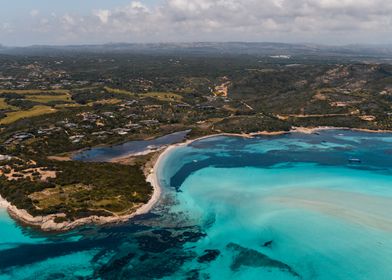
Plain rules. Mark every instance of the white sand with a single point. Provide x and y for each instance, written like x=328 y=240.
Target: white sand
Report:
x=4 y=203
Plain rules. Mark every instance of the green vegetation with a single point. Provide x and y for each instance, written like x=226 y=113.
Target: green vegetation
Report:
x=249 y=124
x=118 y=91
x=33 y=112
x=81 y=189
x=34 y=91
x=164 y=96
x=49 y=98
x=5 y=106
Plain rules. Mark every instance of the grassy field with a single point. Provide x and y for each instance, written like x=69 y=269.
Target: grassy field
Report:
x=74 y=196
x=33 y=112
x=41 y=98
x=49 y=98
x=69 y=105
x=162 y=96
x=118 y=91
x=106 y=101
x=34 y=91
x=5 y=106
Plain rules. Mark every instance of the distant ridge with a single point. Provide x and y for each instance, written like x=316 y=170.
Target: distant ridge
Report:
x=208 y=48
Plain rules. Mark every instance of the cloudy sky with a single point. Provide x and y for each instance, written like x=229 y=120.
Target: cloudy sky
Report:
x=335 y=22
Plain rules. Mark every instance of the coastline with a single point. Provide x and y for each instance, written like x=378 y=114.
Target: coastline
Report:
x=148 y=151
x=309 y=130
x=4 y=203
x=46 y=223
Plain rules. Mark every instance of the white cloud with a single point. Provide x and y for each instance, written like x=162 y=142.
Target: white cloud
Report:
x=5 y=27
x=68 y=20
x=136 y=5
x=34 y=13
x=103 y=15
x=326 y=21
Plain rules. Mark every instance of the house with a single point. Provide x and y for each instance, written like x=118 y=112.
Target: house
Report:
x=183 y=106
x=5 y=157
x=133 y=125
x=89 y=117
x=48 y=131
x=130 y=103
x=149 y=122
x=108 y=114
x=121 y=131
x=100 y=133
x=70 y=125
x=23 y=136
x=76 y=138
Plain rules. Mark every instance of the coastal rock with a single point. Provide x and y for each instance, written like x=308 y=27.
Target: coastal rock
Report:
x=268 y=243
x=209 y=256
x=252 y=258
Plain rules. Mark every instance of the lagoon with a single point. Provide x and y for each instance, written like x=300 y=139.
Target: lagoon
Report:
x=272 y=207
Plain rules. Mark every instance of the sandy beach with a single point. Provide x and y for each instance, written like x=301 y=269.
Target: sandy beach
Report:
x=142 y=153
x=4 y=203
x=309 y=130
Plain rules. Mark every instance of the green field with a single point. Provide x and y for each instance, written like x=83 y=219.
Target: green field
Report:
x=49 y=98
x=34 y=91
x=118 y=91
x=162 y=96
x=33 y=112
x=5 y=106
x=73 y=196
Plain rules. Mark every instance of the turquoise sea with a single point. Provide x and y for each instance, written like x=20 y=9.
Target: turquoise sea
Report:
x=295 y=206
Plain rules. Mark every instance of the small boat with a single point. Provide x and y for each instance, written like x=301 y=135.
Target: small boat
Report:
x=354 y=160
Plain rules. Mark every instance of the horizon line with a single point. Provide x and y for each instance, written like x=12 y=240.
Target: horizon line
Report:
x=196 y=42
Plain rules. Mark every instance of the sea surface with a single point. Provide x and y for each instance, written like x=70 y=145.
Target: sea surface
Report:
x=296 y=206
x=101 y=154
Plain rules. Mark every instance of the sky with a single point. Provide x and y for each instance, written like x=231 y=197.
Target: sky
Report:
x=332 y=22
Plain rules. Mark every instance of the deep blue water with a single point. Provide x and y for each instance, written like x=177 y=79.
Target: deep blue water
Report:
x=281 y=207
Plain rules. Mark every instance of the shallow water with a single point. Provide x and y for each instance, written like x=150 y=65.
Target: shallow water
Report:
x=129 y=148
x=281 y=207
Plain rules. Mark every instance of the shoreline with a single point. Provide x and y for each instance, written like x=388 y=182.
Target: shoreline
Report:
x=309 y=130
x=46 y=223
x=148 y=151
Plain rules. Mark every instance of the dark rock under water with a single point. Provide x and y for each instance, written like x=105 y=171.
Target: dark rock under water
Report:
x=253 y=258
